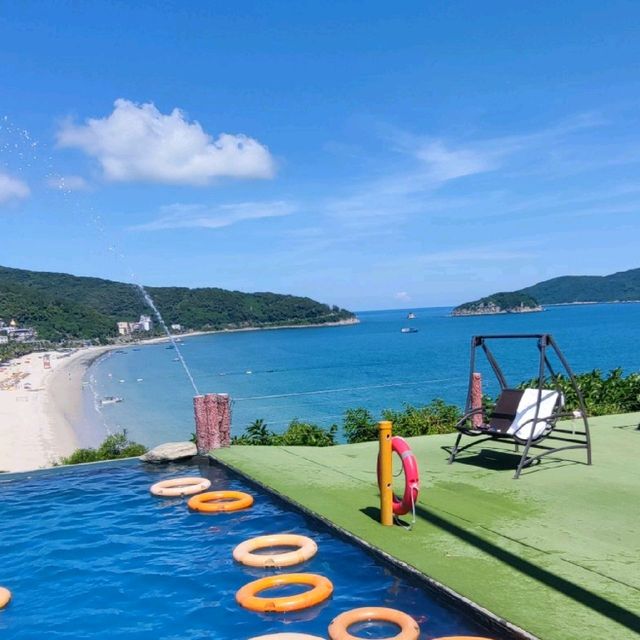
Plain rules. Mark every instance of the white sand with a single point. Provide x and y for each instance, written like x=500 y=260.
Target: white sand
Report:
x=42 y=415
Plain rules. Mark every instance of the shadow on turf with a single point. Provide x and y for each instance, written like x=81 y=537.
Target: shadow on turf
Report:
x=498 y=460
x=570 y=589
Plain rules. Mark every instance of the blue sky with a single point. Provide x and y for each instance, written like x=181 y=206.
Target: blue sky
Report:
x=365 y=154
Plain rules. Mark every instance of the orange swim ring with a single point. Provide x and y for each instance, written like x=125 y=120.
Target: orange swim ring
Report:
x=243 y=553
x=217 y=501
x=248 y=597
x=179 y=487
x=5 y=597
x=339 y=627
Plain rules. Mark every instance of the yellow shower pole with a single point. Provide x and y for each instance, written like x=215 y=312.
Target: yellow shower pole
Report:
x=386 y=492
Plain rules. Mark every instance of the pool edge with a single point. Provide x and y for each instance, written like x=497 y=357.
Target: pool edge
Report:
x=474 y=610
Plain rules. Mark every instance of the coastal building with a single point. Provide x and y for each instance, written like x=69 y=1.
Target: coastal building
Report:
x=15 y=333
x=127 y=328
x=123 y=328
x=176 y=327
x=145 y=323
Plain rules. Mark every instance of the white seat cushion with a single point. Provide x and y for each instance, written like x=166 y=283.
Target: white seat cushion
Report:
x=527 y=412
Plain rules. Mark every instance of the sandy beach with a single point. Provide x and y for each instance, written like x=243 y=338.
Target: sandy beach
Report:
x=42 y=410
x=43 y=415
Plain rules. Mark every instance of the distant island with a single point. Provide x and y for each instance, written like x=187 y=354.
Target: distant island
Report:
x=623 y=286
x=59 y=307
x=506 y=302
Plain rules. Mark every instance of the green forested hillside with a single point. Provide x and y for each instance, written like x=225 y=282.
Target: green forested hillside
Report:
x=55 y=319
x=621 y=286
x=63 y=306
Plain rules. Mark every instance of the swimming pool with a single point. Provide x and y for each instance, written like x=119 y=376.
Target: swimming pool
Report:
x=89 y=553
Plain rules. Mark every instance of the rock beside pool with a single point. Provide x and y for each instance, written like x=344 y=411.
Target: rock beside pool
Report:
x=169 y=452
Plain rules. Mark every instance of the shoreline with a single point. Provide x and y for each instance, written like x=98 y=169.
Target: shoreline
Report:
x=195 y=334
x=43 y=412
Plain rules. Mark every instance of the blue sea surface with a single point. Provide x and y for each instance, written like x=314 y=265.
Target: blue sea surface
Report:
x=316 y=373
x=89 y=553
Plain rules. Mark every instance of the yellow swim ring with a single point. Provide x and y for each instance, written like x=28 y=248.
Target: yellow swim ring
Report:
x=179 y=487
x=287 y=636
x=306 y=549
x=5 y=597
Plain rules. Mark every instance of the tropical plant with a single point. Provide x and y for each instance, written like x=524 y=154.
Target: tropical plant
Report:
x=602 y=395
x=115 y=446
x=435 y=417
x=307 y=434
x=359 y=425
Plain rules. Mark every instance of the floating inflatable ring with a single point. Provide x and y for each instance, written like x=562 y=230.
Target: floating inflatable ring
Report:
x=180 y=487
x=287 y=636
x=339 y=627
x=243 y=553
x=247 y=596
x=5 y=597
x=411 y=476
x=216 y=501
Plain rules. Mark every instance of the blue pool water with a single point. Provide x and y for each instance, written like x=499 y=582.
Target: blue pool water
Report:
x=315 y=374
x=89 y=553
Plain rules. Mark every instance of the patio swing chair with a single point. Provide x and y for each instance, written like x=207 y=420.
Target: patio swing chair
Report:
x=526 y=417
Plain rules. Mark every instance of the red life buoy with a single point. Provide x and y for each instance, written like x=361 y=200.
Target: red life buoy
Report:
x=411 y=476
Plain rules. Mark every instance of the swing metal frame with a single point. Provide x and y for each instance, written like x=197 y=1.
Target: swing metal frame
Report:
x=571 y=438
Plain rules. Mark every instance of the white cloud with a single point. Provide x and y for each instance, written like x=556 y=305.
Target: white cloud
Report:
x=177 y=216
x=137 y=142
x=403 y=296
x=445 y=164
x=12 y=188
x=68 y=183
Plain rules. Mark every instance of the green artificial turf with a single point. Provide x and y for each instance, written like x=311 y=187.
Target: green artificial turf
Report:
x=556 y=552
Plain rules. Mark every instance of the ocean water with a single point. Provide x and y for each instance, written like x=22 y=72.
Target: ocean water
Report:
x=104 y=559
x=315 y=374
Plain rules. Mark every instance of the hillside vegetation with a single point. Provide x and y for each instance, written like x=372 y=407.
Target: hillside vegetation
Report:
x=506 y=302
x=62 y=306
x=623 y=286
x=617 y=287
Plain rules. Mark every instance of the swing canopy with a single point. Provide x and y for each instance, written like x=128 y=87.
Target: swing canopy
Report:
x=525 y=416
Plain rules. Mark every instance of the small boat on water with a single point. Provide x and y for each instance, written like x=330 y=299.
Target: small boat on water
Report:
x=170 y=347
x=139 y=379
x=408 y=330
x=110 y=400
x=411 y=316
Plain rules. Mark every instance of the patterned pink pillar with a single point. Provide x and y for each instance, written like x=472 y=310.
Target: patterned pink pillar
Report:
x=476 y=398
x=213 y=421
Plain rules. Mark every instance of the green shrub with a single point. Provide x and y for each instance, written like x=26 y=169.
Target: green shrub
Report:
x=302 y=434
x=359 y=425
x=307 y=434
x=114 y=446
x=602 y=395
x=435 y=417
